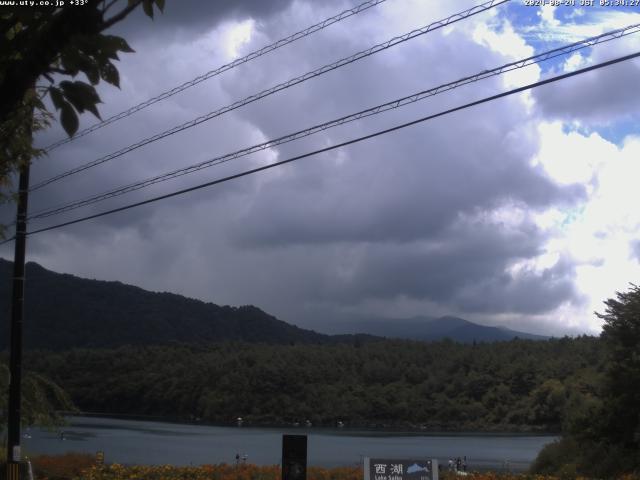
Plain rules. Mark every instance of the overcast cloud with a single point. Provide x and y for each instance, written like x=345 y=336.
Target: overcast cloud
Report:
x=502 y=214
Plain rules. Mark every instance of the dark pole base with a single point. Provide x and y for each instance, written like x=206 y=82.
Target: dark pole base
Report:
x=16 y=471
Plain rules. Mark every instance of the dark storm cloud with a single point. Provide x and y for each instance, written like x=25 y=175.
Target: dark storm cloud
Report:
x=386 y=198
x=465 y=268
x=527 y=293
x=392 y=193
x=440 y=267
x=189 y=18
x=432 y=213
x=408 y=184
x=597 y=96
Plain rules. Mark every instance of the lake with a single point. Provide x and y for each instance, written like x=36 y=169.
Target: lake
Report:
x=151 y=442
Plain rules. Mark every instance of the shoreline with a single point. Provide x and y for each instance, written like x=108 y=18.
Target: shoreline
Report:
x=139 y=442
x=369 y=429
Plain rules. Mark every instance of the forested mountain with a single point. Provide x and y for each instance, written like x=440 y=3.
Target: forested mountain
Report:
x=517 y=385
x=64 y=311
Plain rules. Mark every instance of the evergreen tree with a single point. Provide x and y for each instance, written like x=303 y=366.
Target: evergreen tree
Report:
x=621 y=335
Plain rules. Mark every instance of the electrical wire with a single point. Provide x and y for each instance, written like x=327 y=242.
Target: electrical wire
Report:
x=212 y=73
x=282 y=86
x=565 y=50
x=8 y=240
x=343 y=144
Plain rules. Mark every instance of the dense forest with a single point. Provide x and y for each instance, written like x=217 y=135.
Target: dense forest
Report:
x=519 y=385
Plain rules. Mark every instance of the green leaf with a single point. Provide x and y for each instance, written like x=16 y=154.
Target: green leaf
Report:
x=39 y=104
x=68 y=119
x=109 y=55
x=91 y=71
x=147 y=6
x=70 y=59
x=81 y=95
x=160 y=4
x=109 y=73
x=75 y=61
x=56 y=97
x=106 y=49
x=117 y=43
x=13 y=31
x=93 y=109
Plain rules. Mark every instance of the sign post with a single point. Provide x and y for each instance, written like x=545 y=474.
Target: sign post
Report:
x=400 y=469
x=14 y=455
x=294 y=457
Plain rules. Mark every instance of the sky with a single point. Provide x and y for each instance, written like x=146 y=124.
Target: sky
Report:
x=519 y=212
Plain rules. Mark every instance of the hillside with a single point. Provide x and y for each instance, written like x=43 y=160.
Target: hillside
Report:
x=64 y=311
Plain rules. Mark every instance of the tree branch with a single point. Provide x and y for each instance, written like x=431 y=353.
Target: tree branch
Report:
x=120 y=16
x=59 y=70
x=107 y=6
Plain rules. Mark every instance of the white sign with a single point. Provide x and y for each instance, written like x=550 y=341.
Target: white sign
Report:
x=400 y=469
x=15 y=454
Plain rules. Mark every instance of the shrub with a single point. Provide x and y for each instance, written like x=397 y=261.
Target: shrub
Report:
x=556 y=458
x=61 y=467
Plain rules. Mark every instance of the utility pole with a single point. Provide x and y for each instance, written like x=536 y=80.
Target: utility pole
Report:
x=17 y=313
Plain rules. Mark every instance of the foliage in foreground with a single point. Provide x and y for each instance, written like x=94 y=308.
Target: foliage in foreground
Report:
x=246 y=472
x=40 y=45
x=59 y=467
x=568 y=458
x=603 y=440
x=203 y=472
x=42 y=399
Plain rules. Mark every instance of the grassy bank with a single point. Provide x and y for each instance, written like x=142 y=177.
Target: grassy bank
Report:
x=74 y=466
x=251 y=472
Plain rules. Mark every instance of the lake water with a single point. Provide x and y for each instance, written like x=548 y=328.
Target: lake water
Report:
x=146 y=442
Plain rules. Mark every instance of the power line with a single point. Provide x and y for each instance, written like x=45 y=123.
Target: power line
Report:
x=565 y=50
x=343 y=144
x=8 y=240
x=289 y=83
x=212 y=73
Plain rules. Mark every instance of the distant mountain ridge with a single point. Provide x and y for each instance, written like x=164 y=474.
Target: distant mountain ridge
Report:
x=64 y=311
x=430 y=329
